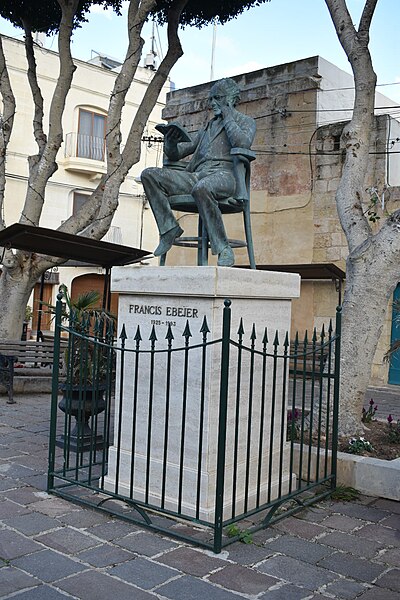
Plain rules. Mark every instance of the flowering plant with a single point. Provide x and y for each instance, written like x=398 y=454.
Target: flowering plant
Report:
x=393 y=430
x=359 y=445
x=293 y=426
x=369 y=415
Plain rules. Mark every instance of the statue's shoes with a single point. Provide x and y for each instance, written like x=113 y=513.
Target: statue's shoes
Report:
x=167 y=239
x=226 y=258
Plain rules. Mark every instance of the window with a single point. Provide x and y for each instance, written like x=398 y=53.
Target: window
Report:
x=91 y=135
x=78 y=201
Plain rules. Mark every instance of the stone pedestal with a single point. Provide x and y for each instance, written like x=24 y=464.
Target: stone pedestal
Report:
x=153 y=298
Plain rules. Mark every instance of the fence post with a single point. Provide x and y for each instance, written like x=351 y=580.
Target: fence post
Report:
x=223 y=403
x=54 y=393
x=335 y=424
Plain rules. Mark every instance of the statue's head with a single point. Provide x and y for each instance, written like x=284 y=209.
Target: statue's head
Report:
x=223 y=92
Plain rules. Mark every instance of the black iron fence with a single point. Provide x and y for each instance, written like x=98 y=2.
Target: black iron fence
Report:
x=192 y=434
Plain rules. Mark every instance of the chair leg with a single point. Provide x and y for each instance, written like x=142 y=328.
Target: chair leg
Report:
x=249 y=237
x=202 y=251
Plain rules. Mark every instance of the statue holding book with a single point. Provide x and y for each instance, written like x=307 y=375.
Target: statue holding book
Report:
x=209 y=175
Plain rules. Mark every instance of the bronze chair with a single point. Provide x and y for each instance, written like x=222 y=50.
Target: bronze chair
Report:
x=240 y=203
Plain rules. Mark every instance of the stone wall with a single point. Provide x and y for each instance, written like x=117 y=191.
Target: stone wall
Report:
x=294 y=179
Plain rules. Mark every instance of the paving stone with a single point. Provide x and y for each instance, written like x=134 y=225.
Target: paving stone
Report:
x=12 y=580
x=23 y=495
x=389 y=505
x=299 y=527
x=105 y=555
x=9 y=509
x=43 y=592
x=54 y=507
x=113 y=529
x=32 y=523
x=312 y=514
x=93 y=585
x=367 y=513
x=190 y=588
x=148 y=544
x=393 y=521
x=350 y=566
x=83 y=519
x=390 y=557
x=310 y=552
x=286 y=592
x=379 y=594
x=242 y=579
x=9 y=484
x=191 y=561
x=13 y=544
x=16 y=471
x=352 y=544
x=297 y=572
x=390 y=580
x=346 y=589
x=388 y=536
x=143 y=573
x=39 y=481
x=342 y=522
x=67 y=540
x=48 y=565
x=246 y=554
x=6 y=452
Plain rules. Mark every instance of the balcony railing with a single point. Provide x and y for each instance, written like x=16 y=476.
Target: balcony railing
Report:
x=79 y=145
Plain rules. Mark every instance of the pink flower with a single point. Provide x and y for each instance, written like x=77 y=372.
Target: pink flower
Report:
x=389 y=419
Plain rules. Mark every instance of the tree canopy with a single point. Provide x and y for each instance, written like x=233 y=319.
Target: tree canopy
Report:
x=45 y=15
x=201 y=12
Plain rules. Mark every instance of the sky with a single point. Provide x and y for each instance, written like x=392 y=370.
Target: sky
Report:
x=277 y=32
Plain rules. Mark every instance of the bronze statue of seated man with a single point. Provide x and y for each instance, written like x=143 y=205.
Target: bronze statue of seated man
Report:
x=209 y=175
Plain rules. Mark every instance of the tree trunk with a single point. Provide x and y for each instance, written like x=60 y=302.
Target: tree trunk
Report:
x=15 y=289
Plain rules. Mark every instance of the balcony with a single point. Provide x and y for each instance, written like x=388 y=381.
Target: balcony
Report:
x=84 y=154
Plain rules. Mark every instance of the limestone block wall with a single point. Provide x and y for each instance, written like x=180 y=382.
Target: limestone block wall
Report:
x=295 y=177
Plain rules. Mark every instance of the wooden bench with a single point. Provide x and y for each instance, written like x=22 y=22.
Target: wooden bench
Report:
x=25 y=358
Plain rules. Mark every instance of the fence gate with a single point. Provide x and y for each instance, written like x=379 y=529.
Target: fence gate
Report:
x=136 y=424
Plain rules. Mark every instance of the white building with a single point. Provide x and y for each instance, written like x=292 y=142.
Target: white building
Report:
x=81 y=159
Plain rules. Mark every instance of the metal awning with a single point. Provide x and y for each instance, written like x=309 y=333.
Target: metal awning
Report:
x=66 y=245
x=309 y=271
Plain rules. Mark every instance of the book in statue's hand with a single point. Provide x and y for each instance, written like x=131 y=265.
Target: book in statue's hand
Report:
x=183 y=136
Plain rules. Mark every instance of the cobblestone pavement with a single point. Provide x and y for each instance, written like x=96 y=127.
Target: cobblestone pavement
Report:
x=51 y=549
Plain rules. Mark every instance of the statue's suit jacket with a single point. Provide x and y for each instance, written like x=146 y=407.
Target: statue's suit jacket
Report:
x=211 y=146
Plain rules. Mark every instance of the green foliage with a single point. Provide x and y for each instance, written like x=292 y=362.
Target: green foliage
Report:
x=28 y=313
x=86 y=360
x=45 y=15
x=344 y=493
x=202 y=12
x=359 y=445
x=244 y=536
x=393 y=430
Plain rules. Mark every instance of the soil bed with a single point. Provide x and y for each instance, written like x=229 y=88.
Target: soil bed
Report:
x=376 y=434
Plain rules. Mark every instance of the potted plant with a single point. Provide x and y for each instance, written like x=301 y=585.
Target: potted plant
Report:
x=88 y=363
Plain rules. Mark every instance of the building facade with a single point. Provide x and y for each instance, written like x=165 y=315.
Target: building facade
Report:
x=81 y=159
x=300 y=109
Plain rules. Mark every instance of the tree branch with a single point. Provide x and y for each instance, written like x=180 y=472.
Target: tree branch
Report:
x=42 y=169
x=356 y=135
x=366 y=17
x=37 y=97
x=6 y=126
